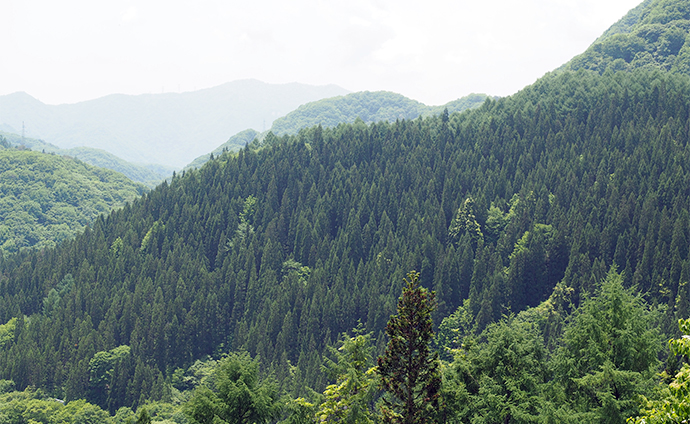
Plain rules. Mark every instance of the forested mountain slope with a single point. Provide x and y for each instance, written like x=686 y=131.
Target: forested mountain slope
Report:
x=367 y=106
x=46 y=199
x=149 y=175
x=280 y=249
x=652 y=35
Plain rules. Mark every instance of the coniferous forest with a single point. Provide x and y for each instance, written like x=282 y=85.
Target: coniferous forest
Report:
x=552 y=225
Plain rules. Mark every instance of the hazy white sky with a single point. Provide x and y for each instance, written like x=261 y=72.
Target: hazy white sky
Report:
x=433 y=51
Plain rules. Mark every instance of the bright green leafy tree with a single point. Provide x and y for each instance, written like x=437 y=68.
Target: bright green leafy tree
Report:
x=674 y=403
x=349 y=399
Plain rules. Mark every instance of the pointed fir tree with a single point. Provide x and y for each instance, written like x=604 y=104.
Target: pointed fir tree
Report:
x=409 y=370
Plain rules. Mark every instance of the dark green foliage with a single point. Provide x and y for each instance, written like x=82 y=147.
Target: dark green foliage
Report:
x=499 y=377
x=409 y=370
x=143 y=417
x=608 y=354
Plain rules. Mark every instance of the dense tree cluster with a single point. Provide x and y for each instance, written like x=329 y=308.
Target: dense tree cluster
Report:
x=279 y=250
x=652 y=36
x=46 y=199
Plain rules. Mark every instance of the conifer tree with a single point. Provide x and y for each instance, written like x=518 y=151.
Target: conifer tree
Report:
x=409 y=370
x=348 y=400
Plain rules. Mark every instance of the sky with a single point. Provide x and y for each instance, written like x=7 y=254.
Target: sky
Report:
x=433 y=51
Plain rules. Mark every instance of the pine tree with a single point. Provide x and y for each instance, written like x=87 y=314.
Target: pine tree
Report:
x=409 y=370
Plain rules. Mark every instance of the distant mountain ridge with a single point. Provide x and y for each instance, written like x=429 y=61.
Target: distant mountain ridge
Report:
x=169 y=128
x=368 y=106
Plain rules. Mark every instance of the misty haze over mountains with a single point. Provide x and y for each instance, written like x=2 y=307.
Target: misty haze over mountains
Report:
x=169 y=128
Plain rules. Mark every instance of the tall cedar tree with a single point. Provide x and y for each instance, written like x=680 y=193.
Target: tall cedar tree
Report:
x=409 y=370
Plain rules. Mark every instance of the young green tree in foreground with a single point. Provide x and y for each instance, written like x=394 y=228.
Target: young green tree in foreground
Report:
x=349 y=399
x=238 y=395
x=409 y=370
x=608 y=356
x=674 y=405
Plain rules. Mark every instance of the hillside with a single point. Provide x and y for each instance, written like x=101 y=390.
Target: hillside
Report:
x=148 y=175
x=277 y=251
x=47 y=199
x=168 y=129
x=652 y=35
x=367 y=106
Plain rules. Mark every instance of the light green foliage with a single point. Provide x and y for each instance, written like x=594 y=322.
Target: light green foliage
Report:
x=300 y=411
x=6 y=386
x=7 y=331
x=50 y=302
x=496 y=222
x=653 y=35
x=245 y=227
x=155 y=229
x=539 y=231
x=46 y=199
x=292 y=267
x=117 y=246
x=234 y=143
x=454 y=329
x=200 y=374
x=550 y=315
x=672 y=404
x=124 y=415
x=152 y=412
x=349 y=399
x=248 y=210
x=238 y=395
x=32 y=406
x=149 y=175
